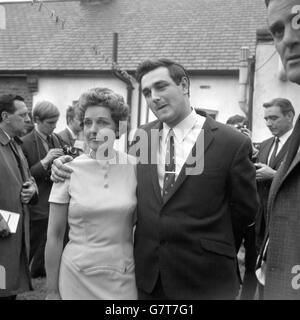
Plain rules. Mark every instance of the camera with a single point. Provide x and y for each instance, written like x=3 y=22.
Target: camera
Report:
x=70 y=151
x=240 y=126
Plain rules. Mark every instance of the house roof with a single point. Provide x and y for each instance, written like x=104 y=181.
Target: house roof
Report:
x=200 y=34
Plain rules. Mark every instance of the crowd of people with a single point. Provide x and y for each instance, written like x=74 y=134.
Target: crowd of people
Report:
x=165 y=221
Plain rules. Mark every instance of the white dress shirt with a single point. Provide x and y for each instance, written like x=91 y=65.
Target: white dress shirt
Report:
x=185 y=135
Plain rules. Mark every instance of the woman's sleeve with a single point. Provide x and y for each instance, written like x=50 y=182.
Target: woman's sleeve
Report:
x=60 y=192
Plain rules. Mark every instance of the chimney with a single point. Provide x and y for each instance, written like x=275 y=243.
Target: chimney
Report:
x=2 y=18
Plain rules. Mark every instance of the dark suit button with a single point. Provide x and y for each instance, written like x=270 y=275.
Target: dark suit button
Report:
x=162 y=242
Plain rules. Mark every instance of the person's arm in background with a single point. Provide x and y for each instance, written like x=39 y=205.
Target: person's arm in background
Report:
x=242 y=186
x=54 y=247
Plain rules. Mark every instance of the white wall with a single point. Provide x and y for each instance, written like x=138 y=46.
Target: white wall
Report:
x=220 y=94
x=268 y=86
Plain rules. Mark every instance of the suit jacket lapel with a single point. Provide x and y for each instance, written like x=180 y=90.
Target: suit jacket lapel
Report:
x=281 y=154
x=39 y=146
x=290 y=162
x=153 y=145
x=205 y=138
x=292 y=166
x=12 y=154
x=265 y=155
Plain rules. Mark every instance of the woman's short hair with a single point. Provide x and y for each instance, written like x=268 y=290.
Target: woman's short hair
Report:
x=107 y=98
x=44 y=110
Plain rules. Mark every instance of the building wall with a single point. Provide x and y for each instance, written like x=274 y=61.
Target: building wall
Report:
x=18 y=86
x=267 y=86
x=216 y=93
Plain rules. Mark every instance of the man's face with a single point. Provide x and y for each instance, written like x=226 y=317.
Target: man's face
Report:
x=164 y=97
x=283 y=20
x=17 y=120
x=277 y=122
x=47 y=126
x=75 y=124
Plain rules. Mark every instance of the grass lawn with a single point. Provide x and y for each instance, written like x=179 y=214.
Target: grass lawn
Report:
x=39 y=292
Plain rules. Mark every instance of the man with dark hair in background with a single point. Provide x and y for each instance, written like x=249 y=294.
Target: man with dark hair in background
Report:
x=41 y=146
x=279 y=114
x=71 y=133
x=17 y=190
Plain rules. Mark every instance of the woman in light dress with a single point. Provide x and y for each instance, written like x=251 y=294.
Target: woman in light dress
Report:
x=98 y=202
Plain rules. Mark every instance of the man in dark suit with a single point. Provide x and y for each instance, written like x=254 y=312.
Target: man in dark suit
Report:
x=279 y=115
x=282 y=241
x=41 y=147
x=184 y=243
x=71 y=133
x=17 y=189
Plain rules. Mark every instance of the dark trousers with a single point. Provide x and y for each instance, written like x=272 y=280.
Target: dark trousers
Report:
x=8 y=298
x=249 y=280
x=157 y=293
x=38 y=238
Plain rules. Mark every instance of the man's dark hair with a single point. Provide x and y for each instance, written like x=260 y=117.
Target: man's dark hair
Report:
x=177 y=71
x=7 y=103
x=238 y=119
x=70 y=114
x=284 y=104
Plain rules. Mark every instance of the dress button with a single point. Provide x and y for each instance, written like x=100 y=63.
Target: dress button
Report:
x=106 y=186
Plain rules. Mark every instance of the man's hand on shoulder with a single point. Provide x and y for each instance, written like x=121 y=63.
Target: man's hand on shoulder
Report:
x=59 y=171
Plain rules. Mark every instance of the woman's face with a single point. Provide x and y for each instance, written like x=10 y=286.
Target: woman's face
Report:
x=97 y=126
